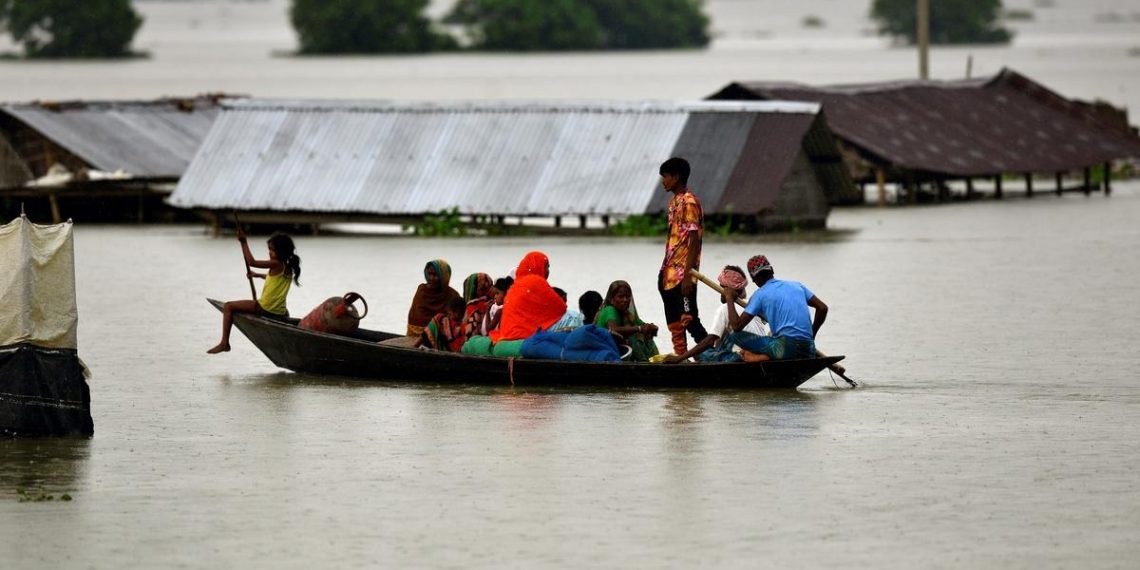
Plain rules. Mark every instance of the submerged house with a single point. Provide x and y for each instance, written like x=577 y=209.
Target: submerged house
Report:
x=922 y=134
x=106 y=160
x=773 y=164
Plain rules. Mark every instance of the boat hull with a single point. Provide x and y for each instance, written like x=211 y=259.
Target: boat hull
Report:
x=361 y=356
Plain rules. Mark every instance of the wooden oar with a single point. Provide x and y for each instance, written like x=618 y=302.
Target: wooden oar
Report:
x=716 y=287
x=252 y=289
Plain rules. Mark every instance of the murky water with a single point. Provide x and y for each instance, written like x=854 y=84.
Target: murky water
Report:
x=998 y=426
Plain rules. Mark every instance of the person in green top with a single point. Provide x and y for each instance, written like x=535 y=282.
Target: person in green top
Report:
x=619 y=316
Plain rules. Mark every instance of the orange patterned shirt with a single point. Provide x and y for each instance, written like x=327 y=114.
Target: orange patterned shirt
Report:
x=685 y=215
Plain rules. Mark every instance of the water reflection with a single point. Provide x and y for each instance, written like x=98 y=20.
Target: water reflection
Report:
x=54 y=465
x=772 y=414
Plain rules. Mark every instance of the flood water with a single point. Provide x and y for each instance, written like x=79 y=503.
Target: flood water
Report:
x=998 y=424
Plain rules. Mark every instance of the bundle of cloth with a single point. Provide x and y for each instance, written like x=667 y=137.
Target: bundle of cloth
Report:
x=586 y=343
x=482 y=346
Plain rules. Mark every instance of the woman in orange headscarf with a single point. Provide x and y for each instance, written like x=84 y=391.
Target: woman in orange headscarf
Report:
x=531 y=303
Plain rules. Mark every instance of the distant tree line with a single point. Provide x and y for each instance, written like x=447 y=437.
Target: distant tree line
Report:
x=525 y=25
x=105 y=28
x=71 y=28
x=951 y=21
x=365 y=26
x=399 y=26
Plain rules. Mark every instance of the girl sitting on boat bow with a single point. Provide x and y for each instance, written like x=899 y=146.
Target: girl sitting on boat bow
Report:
x=284 y=268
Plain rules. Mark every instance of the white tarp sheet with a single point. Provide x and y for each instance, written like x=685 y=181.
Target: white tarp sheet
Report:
x=37 y=285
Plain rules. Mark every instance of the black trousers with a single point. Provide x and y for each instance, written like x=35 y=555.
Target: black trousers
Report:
x=678 y=306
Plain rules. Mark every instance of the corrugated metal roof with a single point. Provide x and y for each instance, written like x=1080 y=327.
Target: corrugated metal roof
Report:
x=149 y=139
x=538 y=158
x=1006 y=123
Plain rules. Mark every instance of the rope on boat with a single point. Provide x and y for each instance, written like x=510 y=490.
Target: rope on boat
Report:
x=511 y=369
x=849 y=381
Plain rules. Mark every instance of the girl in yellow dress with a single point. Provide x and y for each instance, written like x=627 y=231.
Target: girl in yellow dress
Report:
x=284 y=269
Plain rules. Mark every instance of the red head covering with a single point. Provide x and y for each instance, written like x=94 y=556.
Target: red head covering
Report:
x=533 y=263
x=531 y=302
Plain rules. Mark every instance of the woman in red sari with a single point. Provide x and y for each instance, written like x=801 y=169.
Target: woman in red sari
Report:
x=531 y=303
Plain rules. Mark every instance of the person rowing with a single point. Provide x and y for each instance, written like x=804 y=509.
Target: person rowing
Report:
x=785 y=305
x=712 y=348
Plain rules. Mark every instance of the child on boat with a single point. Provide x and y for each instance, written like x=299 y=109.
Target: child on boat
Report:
x=589 y=304
x=619 y=316
x=284 y=269
x=445 y=330
x=477 y=290
x=569 y=321
x=498 y=293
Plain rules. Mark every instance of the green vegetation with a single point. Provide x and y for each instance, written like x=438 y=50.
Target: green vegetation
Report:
x=446 y=223
x=71 y=28
x=39 y=496
x=641 y=225
x=951 y=21
x=1018 y=15
x=365 y=26
x=553 y=25
x=813 y=21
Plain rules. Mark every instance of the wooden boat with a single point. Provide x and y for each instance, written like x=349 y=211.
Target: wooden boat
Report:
x=365 y=355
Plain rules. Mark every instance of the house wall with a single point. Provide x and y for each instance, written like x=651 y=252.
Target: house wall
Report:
x=802 y=201
x=13 y=171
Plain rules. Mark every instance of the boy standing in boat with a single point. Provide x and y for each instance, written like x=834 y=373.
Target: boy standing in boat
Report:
x=682 y=253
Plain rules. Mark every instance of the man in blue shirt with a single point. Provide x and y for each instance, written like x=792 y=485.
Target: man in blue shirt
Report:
x=784 y=304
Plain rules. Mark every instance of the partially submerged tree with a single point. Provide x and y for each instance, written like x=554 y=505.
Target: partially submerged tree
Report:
x=526 y=25
x=651 y=24
x=365 y=26
x=551 y=25
x=70 y=28
x=951 y=21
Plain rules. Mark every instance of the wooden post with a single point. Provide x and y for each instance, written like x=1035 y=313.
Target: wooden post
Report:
x=969 y=188
x=922 y=34
x=1107 y=178
x=557 y=221
x=606 y=221
x=55 y=217
x=142 y=202
x=215 y=225
x=1028 y=184
x=881 y=181
x=1088 y=181
x=1060 y=185
x=997 y=187
x=582 y=222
